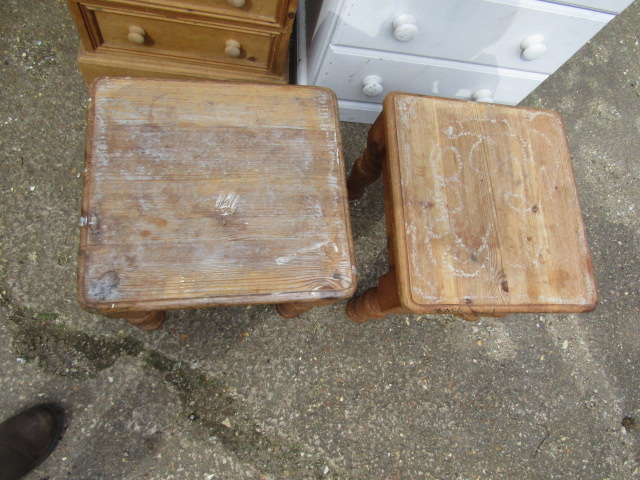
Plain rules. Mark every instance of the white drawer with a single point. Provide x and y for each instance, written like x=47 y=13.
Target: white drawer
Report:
x=344 y=69
x=487 y=32
x=358 y=112
x=615 y=6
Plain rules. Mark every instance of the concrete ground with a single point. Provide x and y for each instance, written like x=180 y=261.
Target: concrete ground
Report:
x=240 y=393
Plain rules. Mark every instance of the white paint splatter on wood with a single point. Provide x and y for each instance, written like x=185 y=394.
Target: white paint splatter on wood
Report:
x=228 y=203
x=302 y=251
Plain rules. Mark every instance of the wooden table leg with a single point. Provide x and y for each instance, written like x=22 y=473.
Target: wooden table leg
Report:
x=144 y=320
x=383 y=300
x=377 y=302
x=293 y=309
x=368 y=167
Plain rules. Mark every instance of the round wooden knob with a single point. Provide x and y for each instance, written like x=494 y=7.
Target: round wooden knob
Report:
x=232 y=48
x=483 y=96
x=533 y=47
x=372 y=86
x=404 y=28
x=236 y=3
x=136 y=35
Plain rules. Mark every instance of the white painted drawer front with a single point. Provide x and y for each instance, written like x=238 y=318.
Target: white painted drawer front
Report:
x=344 y=70
x=615 y=6
x=358 y=112
x=487 y=32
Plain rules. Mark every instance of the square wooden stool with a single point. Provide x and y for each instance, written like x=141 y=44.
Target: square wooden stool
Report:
x=203 y=194
x=482 y=211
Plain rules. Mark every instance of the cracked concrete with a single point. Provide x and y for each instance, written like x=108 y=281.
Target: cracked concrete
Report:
x=240 y=393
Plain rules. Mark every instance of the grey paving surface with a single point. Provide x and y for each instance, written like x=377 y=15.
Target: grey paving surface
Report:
x=240 y=393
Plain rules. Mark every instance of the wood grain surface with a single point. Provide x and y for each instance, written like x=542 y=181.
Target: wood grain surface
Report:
x=486 y=215
x=204 y=194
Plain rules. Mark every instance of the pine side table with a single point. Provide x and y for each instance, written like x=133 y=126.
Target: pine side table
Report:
x=482 y=211
x=203 y=194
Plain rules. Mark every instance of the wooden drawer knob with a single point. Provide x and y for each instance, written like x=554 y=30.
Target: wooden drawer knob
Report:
x=533 y=47
x=232 y=48
x=136 y=35
x=483 y=96
x=236 y=3
x=372 y=86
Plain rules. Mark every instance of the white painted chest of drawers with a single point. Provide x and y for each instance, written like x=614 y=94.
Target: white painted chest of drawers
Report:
x=486 y=50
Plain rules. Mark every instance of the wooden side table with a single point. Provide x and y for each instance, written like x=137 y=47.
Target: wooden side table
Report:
x=482 y=211
x=203 y=194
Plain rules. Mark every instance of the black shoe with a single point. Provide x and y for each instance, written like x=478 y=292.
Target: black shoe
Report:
x=27 y=439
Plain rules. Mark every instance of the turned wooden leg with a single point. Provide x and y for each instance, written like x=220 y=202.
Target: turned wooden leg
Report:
x=368 y=167
x=293 y=309
x=470 y=317
x=377 y=302
x=144 y=320
x=366 y=306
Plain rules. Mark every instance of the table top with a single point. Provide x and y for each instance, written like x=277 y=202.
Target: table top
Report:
x=486 y=211
x=203 y=194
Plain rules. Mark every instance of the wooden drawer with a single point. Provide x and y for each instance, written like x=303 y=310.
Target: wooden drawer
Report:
x=95 y=65
x=350 y=67
x=487 y=32
x=112 y=30
x=268 y=11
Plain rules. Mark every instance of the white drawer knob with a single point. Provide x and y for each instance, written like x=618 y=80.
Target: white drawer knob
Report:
x=404 y=28
x=372 y=86
x=236 y=3
x=136 y=35
x=483 y=96
x=533 y=47
x=232 y=48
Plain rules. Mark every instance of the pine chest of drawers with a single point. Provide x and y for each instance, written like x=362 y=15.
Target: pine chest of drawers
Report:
x=243 y=40
x=486 y=50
